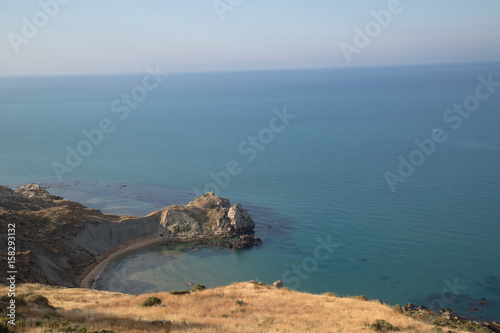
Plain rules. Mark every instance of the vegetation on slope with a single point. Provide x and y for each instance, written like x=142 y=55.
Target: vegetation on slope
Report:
x=240 y=307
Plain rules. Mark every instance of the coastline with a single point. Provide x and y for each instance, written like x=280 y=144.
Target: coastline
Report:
x=87 y=279
x=94 y=270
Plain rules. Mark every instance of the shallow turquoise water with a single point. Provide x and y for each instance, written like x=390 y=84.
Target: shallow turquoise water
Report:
x=321 y=176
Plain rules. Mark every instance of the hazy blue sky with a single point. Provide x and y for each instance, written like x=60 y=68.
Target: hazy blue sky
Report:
x=120 y=36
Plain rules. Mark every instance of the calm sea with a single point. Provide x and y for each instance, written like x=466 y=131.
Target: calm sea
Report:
x=308 y=151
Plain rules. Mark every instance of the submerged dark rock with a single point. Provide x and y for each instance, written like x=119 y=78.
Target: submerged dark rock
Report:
x=246 y=241
x=243 y=242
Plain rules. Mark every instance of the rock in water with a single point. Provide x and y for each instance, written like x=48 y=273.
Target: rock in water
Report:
x=206 y=215
x=246 y=241
x=31 y=191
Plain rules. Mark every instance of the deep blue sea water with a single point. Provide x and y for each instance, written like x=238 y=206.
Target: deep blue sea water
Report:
x=319 y=178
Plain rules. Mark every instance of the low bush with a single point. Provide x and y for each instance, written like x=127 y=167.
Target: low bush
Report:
x=37 y=299
x=380 y=325
x=179 y=292
x=152 y=301
x=361 y=298
x=19 y=300
x=4 y=329
x=198 y=287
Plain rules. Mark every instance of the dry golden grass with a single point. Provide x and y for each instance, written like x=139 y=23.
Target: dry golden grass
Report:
x=214 y=310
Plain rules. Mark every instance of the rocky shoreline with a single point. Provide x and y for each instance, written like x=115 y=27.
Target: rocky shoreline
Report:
x=58 y=240
x=447 y=318
x=91 y=274
x=64 y=243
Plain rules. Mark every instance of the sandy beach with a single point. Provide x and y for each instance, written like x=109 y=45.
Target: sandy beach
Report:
x=87 y=279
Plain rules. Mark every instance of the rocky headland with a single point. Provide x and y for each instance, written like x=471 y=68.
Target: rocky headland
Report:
x=62 y=242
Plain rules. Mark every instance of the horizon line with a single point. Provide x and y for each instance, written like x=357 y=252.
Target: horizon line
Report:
x=256 y=69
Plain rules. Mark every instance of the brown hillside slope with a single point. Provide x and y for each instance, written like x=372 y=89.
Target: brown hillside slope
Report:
x=240 y=307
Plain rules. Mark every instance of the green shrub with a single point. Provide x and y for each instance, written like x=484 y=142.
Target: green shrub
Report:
x=19 y=300
x=161 y=322
x=397 y=308
x=53 y=323
x=198 y=287
x=4 y=329
x=473 y=327
x=37 y=299
x=240 y=302
x=67 y=329
x=361 y=298
x=152 y=301
x=380 y=325
x=179 y=292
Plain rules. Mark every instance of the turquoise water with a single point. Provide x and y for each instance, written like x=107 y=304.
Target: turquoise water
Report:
x=320 y=178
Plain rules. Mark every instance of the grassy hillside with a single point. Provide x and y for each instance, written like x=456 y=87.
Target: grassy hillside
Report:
x=240 y=307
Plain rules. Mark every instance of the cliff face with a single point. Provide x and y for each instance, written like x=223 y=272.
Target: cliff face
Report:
x=57 y=239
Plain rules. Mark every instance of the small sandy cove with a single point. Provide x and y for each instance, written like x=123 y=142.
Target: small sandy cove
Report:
x=86 y=280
